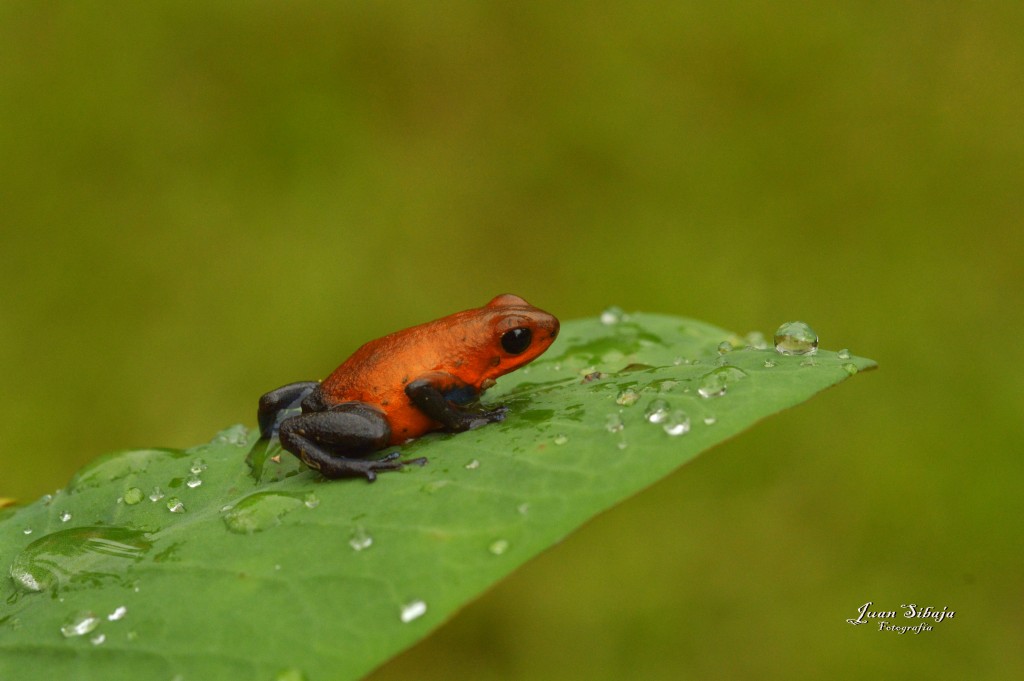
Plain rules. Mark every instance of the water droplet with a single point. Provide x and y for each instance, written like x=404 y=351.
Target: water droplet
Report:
x=769 y=363
x=724 y=348
x=360 y=540
x=796 y=338
x=716 y=382
x=119 y=613
x=677 y=423
x=81 y=624
x=612 y=315
x=843 y=354
x=808 y=363
x=65 y=516
x=197 y=467
x=613 y=423
x=657 y=411
x=311 y=500
x=156 y=495
x=262 y=511
x=523 y=508
x=98 y=639
x=133 y=495
x=237 y=435
x=666 y=385
x=498 y=546
x=412 y=611
x=756 y=340
x=174 y=505
x=193 y=481
x=850 y=368
x=627 y=397
x=560 y=439
x=710 y=420
x=27 y=530
x=473 y=465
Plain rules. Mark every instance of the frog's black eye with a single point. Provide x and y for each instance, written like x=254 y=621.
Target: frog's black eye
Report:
x=516 y=340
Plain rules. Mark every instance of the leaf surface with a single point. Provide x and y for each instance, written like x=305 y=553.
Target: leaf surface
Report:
x=164 y=563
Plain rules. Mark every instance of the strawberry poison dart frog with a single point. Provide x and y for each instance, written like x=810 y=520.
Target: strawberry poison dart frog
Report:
x=408 y=383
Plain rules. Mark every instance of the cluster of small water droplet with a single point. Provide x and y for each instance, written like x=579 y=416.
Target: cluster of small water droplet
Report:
x=673 y=421
x=87 y=622
x=195 y=470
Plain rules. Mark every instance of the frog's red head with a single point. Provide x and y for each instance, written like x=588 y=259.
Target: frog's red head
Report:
x=519 y=333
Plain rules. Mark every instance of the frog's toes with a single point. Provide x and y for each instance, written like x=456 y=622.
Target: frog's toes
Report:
x=370 y=468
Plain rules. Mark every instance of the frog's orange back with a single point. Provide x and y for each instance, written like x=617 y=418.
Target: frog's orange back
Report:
x=467 y=345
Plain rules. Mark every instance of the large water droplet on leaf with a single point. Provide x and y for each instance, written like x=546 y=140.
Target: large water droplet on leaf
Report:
x=263 y=510
x=796 y=338
x=81 y=554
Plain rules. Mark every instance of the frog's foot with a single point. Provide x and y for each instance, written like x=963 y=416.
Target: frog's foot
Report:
x=431 y=395
x=342 y=467
x=476 y=419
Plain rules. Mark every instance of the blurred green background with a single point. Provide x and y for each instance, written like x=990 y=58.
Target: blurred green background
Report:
x=202 y=201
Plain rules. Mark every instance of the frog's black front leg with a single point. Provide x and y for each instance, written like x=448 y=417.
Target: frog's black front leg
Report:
x=333 y=441
x=440 y=396
x=280 y=400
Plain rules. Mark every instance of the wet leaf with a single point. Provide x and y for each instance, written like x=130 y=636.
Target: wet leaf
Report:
x=162 y=563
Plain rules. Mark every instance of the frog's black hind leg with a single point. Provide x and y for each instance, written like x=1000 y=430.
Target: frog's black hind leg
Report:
x=333 y=441
x=276 y=401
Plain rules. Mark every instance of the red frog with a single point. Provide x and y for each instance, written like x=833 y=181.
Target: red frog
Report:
x=396 y=388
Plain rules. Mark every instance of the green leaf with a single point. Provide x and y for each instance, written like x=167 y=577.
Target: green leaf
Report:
x=161 y=563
